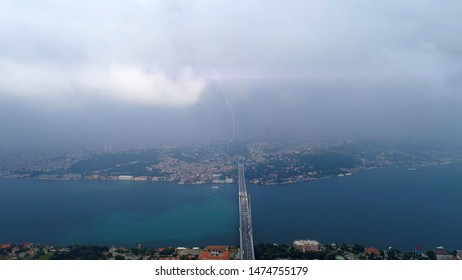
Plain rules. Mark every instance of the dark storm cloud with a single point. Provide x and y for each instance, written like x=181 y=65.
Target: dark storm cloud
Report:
x=141 y=72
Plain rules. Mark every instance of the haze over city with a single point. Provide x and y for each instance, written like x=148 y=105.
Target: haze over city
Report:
x=231 y=130
x=142 y=73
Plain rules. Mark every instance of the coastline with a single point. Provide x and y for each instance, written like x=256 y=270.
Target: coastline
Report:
x=284 y=181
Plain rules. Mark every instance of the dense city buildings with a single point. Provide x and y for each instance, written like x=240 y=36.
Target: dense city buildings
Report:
x=266 y=163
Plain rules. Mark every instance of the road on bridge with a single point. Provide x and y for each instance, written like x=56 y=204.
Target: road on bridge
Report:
x=245 y=217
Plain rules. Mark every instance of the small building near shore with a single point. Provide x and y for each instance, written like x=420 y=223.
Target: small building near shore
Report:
x=307 y=245
x=215 y=253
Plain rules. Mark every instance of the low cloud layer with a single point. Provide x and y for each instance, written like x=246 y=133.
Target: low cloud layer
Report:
x=120 y=83
x=317 y=68
x=81 y=52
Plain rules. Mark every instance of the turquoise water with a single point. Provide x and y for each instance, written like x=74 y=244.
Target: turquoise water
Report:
x=117 y=213
x=384 y=207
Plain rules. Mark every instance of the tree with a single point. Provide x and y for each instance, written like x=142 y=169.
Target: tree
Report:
x=431 y=255
x=372 y=256
x=331 y=255
x=382 y=253
x=358 y=248
x=82 y=252
x=391 y=254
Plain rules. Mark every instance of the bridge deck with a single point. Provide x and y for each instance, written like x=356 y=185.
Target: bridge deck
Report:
x=245 y=217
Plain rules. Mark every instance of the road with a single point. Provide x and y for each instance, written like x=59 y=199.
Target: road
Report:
x=245 y=217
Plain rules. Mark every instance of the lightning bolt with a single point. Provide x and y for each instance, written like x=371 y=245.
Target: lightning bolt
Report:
x=225 y=96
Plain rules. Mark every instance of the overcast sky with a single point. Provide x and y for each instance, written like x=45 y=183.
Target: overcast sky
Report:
x=141 y=72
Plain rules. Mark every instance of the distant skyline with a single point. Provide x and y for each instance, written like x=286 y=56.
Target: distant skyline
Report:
x=141 y=73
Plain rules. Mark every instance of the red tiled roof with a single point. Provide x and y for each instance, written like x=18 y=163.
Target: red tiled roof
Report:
x=372 y=250
x=203 y=255
x=216 y=248
x=206 y=256
x=5 y=246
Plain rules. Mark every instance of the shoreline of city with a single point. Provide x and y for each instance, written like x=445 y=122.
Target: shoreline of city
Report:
x=298 y=250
